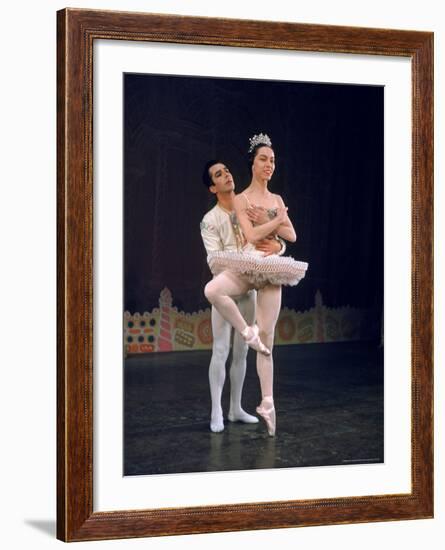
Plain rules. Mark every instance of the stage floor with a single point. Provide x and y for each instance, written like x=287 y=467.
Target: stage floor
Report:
x=328 y=399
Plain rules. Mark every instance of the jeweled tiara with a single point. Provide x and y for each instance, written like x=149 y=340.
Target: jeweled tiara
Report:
x=260 y=139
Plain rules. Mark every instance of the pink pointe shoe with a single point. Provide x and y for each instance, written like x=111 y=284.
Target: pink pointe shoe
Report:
x=254 y=341
x=267 y=411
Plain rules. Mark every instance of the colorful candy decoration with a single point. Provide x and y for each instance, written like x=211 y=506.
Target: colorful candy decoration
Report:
x=182 y=324
x=167 y=329
x=286 y=327
x=205 y=331
x=146 y=348
x=184 y=338
x=165 y=336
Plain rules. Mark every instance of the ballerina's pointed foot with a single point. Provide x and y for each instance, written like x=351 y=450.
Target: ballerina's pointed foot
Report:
x=252 y=339
x=267 y=411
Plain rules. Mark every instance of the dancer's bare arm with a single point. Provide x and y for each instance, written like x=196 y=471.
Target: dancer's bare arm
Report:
x=259 y=232
x=272 y=244
x=286 y=229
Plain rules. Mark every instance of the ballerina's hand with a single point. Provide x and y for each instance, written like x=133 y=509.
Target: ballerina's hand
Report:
x=257 y=214
x=268 y=246
x=281 y=214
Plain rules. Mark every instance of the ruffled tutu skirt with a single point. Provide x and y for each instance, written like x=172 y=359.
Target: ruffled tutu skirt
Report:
x=259 y=270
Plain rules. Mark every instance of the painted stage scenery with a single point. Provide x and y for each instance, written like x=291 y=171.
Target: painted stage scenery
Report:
x=253 y=274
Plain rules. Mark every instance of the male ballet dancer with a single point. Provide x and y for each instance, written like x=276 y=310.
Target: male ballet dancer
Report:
x=220 y=231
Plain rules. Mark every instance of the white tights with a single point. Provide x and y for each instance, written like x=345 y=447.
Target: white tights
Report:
x=220 y=292
x=222 y=331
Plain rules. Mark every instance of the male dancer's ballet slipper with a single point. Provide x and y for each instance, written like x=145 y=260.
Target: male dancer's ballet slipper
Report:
x=254 y=341
x=267 y=411
x=217 y=423
x=242 y=416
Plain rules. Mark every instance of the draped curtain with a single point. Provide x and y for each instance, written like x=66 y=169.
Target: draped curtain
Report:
x=328 y=141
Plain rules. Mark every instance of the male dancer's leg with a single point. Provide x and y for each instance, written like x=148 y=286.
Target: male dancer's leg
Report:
x=268 y=310
x=246 y=305
x=217 y=370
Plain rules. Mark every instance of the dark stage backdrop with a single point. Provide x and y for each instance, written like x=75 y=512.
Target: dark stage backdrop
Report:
x=328 y=141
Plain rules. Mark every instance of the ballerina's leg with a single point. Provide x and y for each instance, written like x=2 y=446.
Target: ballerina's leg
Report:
x=268 y=310
x=220 y=292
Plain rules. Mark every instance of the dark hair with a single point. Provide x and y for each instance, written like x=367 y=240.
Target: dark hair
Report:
x=252 y=154
x=207 y=180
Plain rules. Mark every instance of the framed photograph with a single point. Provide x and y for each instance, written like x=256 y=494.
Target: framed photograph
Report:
x=166 y=124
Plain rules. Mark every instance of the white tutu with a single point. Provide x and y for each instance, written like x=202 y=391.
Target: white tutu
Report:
x=257 y=268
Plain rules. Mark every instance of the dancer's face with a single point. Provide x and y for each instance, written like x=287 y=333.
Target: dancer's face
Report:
x=222 y=179
x=263 y=165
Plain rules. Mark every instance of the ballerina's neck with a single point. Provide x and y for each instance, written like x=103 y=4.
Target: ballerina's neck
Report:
x=259 y=196
x=259 y=184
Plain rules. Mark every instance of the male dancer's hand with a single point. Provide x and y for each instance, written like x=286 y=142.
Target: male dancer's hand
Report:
x=269 y=246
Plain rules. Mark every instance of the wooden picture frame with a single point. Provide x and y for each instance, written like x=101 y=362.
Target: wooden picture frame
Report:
x=77 y=31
